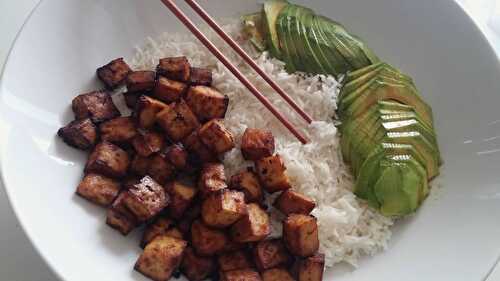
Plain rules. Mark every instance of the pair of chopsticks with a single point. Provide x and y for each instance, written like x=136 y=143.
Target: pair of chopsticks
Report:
x=223 y=59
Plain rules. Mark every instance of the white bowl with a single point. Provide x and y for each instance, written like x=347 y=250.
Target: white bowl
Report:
x=454 y=236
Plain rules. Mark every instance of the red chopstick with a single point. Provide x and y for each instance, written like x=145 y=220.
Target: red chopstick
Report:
x=211 y=22
x=211 y=47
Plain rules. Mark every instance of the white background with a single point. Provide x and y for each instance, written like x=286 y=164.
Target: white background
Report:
x=18 y=259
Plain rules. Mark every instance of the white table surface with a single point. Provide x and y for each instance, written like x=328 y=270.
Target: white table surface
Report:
x=18 y=259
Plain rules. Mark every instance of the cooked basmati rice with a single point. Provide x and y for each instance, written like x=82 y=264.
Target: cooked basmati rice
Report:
x=348 y=228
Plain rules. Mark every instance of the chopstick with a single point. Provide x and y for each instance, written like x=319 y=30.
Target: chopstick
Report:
x=211 y=22
x=217 y=53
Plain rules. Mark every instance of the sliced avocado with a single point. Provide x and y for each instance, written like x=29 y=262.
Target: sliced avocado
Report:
x=372 y=58
x=305 y=54
x=359 y=60
x=272 y=9
x=285 y=48
x=351 y=75
x=368 y=176
x=315 y=42
x=252 y=25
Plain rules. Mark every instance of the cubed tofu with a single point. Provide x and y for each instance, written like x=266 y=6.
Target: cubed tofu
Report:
x=221 y=209
x=191 y=214
x=240 y=275
x=247 y=182
x=181 y=197
x=168 y=90
x=200 y=76
x=175 y=68
x=177 y=120
x=146 y=198
x=196 y=268
x=81 y=134
x=114 y=73
x=290 y=202
x=131 y=99
x=233 y=261
x=257 y=144
x=300 y=233
x=158 y=227
x=207 y=241
x=98 y=189
x=147 y=142
x=160 y=168
x=141 y=81
x=232 y=246
x=212 y=178
x=161 y=258
x=140 y=165
x=270 y=253
x=252 y=227
x=194 y=145
x=109 y=160
x=119 y=217
x=207 y=103
x=118 y=130
x=272 y=173
x=277 y=274
x=146 y=110
x=311 y=268
x=97 y=105
x=216 y=136
x=174 y=232
x=177 y=156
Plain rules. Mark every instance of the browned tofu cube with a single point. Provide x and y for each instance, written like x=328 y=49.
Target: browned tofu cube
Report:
x=98 y=189
x=158 y=227
x=175 y=68
x=174 y=232
x=160 y=168
x=177 y=120
x=161 y=258
x=240 y=275
x=233 y=261
x=191 y=214
x=277 y=274
x=257 y=144
x=232 y=246
x=119 y=217
x=300 y=233
x=194 y=145
x=131 y=99
x=272 y=173
x=140 y=165
x=118 y=130
x=196 y=268
x=113 y=73
x=108 y=159
x=311 y=268
x=80 y=134
x=252 y=227
x=207 y=103
x=293 y=202
x=200 y=76
x=146 y=199
x=141 y=81
x=212 y=178
x=168 y=90
x=181 y=197
x=177 y=156
x=207 y=241
x=147 y=142
x=270 y=253
x=146 y=110
x=221 y=209
x=97 y=105
x=248 y=183
x=216 y=136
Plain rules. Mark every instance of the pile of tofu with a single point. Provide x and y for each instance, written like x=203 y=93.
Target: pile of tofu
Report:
x=159 y=168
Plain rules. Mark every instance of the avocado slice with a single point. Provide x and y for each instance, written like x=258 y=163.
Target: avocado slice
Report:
x=353 y=74
x=282 y=31
x=252 y=25
x=305 y=53
x=271 y=10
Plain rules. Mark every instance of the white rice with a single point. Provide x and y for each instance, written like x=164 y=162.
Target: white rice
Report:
x=348 y=229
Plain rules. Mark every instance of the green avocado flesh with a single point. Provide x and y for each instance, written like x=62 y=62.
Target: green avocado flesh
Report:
x=387 y=129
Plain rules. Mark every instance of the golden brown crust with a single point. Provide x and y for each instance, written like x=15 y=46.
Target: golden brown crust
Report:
x=252 y=227
x=270 y=253
x=175 y=68
x=216 y=136
x=221 y=209
x=168 y=90
x=240 y=275
x=277 y=274
x=81 y=134
x=147 y=142
x=146 y=110
x=191 y=214
x=233 y=261
x=181 y=196
x=109 y=160
x=118 y=130
x=113 y=74
x=160 y=168
x=207 y=103
x=212 y=178
x=131 y=99
x=257 y=144
x=98 y=189
x=293 y=202
x=158 y=227
x=207 y=241
x=119 y=217
x=194 y=145
x=311 y=268
x=177 y=156
x=300 y=233
x=140 y=165
x=196 y=268
x=200 y=76
x=272 y=173
x=146 y=199
x=248 y=182
x=177 y=120
x=96 y=105
x=140 y=81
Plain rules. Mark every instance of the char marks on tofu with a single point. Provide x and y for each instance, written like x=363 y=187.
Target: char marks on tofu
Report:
x=118 y=130
x=271 y=253
x=181 y=197
x=257 y=144
x=98 y=189
x=272 y=173
x=300 y=233
x=200 y=76
x=293 y=202
x=207 y=103
x=240 y=275
x=81 y=134
x=195 y=267
x=114 y=73
x=141 y=81
x=175 y=68
x=234 y=260
x=168 y=90
x=146 y=110
x=109 y=160
x=222 y=208
x=147 y=142
x=177 y=120
x=310 y=268
x=146 y=199
x=278 y=274
x=247 y=182
x=212 y=179
x=252 y=227
x=119 y=217
x=216 y=136
x=97 y=105
x=207 y=241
